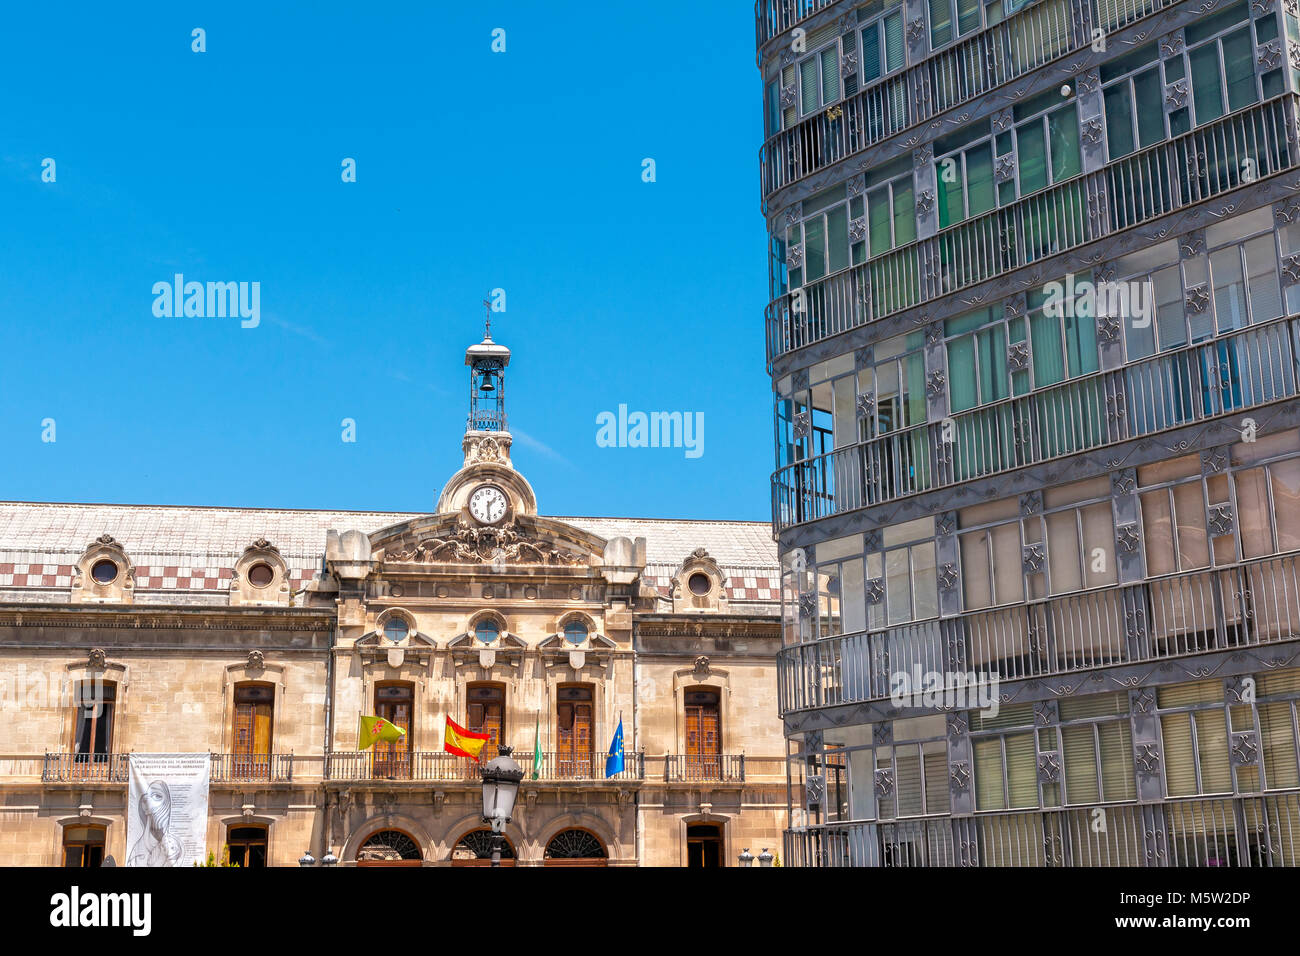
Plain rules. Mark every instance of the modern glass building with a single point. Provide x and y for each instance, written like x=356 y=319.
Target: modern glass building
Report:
x=1035 y=294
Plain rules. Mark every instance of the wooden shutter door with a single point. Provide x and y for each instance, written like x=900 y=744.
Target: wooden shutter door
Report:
x=251 y=733
x=392 y=758
x=703 y=736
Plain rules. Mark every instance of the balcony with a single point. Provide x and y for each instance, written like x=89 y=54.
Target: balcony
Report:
x=84 y=768
x=114 y=768
x=1244 y=369
x=774 y=17
x=1195 y=832
x=241 y=768
x=697 y=768
x=950 y=77
x=440 y=766
x=1132 y=190
x=1245 y=605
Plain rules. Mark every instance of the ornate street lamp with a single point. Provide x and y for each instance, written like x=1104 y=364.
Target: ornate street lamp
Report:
x=765 y=858
x=307 y=859
x=746 y=858
x=501 y=779
x=329 y=859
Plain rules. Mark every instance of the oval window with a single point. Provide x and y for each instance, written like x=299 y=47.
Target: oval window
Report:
x=260 y=575
x=104 y=572
x=396 y=629
x=575 y=632
x=700 y=584
x=487 y=630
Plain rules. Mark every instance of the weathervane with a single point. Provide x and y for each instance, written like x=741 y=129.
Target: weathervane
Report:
x=487 y=320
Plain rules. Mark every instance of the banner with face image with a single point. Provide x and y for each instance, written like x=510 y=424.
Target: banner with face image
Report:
x=167 y=809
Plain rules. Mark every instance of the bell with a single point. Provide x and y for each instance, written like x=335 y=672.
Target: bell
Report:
x=486 y=385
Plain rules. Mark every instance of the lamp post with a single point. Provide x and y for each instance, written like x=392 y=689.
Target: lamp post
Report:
x=765 y=858
x=501 y=779
x=329 y=859
x=306 y=860
x=746 y=858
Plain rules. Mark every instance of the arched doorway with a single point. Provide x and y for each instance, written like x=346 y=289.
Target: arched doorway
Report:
x=575 y=847
x=475 y=849
x=389 y=848
x=704 y=846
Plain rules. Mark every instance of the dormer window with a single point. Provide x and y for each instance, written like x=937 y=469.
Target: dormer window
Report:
x=104 y=572
x=700 y=584
x=260 y=575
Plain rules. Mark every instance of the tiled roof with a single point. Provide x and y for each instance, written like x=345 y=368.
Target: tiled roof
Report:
x=194 y=548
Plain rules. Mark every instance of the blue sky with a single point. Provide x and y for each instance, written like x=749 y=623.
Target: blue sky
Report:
x=475 y=170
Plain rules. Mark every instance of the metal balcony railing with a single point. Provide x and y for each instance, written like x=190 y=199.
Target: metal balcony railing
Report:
x=701 y=767
x=84 y=768
x=949 y=77
x=436 y=765
x=239 y=768
x=1240 y=831
x=1239 y=148
x=1244 y=369
x=774 y=17
x=1246 y=605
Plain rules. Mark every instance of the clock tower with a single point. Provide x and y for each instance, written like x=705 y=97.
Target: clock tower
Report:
x=487 y=487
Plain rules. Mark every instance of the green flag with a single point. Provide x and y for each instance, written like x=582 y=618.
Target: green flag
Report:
x=537 y=746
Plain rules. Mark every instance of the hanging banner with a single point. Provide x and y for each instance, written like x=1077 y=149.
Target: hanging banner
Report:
x=167 y=809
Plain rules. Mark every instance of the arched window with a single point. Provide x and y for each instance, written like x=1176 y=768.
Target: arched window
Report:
x=575 y=847
x=475 y=849
x=247 y=846
x=389 y=847
x=83 y=846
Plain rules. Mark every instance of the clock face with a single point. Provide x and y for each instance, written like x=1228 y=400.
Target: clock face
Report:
x=487 y=504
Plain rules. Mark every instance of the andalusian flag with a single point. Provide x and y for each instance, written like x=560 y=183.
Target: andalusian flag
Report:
x=376 y=728
x=537 y=747
x=465 y=743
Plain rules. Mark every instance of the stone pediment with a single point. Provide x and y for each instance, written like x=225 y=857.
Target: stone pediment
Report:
x=456 y=540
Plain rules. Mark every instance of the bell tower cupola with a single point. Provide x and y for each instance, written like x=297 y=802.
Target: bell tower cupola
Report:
x=487 y=363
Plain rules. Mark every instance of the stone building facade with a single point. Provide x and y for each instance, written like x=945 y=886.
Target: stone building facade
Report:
x=262 y=636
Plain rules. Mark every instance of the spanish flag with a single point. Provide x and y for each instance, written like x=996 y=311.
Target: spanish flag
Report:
x=464 y=743
x=371 y=729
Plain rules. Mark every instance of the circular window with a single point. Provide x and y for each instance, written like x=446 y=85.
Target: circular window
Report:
x=260 y=575
x=575 y=632
x=396 y=629
x=700 y=583
x=487 y=630
x=104 y=572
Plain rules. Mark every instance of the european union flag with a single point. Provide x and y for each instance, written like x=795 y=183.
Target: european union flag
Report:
x=614 y=762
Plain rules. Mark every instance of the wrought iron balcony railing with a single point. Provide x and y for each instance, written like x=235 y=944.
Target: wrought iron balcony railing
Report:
x=947 y=78
x=437 y=765
x=114 y=768
x=1244 y=369
x=1246 y=605
x=84 y=768
x=238 y=768
x=1243 y=147
x=704 y=767
x=1240 y=831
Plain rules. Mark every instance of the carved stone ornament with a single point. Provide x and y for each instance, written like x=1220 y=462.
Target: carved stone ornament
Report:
x=97 y=658
x=472 y=544
x=485 y=450
x=256 y=659
x=701 y=668
x=262 y=545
